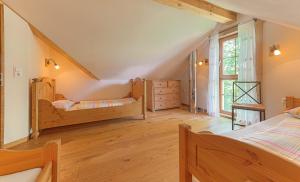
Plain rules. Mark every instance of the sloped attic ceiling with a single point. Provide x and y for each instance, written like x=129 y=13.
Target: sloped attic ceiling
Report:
x=117 y=39
x=285 y=12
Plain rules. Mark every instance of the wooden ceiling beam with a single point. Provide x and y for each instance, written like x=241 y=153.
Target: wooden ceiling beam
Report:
x=204 y=8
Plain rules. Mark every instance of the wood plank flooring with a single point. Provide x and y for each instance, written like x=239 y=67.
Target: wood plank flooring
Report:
x=126 y=150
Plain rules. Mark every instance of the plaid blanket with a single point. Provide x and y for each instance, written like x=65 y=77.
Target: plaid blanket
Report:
x=102 y=103
x=283 y=138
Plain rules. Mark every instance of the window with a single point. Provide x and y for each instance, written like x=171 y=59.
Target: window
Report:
x=229 y=52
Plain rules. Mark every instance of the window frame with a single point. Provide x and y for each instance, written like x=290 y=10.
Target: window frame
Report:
x=221 y=75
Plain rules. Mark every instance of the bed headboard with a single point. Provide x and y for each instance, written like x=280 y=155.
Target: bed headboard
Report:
x=291 y=102
x=43 y=88
x=138 y=87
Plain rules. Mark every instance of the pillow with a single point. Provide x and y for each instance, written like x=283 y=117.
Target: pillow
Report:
x=63 y=104
x=294 y=112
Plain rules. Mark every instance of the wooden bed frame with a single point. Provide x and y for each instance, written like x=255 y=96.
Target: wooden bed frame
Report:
x=214 y=158
x=47 y=158
x=44 y=115
x=291 y=102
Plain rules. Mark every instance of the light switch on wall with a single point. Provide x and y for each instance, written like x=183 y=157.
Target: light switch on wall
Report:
x=17 y=72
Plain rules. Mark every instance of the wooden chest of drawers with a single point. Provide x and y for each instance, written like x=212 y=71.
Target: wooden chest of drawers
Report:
x=163 y=94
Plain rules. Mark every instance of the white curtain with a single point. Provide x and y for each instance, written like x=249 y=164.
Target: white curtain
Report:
x=193 y=97
x=213 y=85
x=247 y=70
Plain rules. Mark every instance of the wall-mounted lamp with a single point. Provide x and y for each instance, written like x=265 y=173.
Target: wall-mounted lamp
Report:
x=202 y=62
x=48 y=61
x=275 y=50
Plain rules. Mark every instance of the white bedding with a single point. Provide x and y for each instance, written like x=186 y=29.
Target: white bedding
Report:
x=24 y=176
x=258 y=127
x=101 y=104
x=279 y=135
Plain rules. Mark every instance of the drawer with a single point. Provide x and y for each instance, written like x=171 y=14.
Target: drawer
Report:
x=160 y=84
x=173 y=83
x=168 y=97
x=167 y=105
x=161 y=91
x=160 y=105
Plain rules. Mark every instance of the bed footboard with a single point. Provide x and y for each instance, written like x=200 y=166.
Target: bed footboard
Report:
x=46 y=158
x=211 y=157
x=139 y=90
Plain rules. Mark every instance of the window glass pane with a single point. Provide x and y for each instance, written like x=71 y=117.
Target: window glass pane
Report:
x=229 y=66
x=229 y=48
x=230 y=56
x=230 y=69
x=227 y=95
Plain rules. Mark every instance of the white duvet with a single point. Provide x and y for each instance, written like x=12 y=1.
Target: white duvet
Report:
x=101 y=104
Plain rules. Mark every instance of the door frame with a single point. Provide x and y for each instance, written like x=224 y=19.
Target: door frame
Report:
x=1 y=75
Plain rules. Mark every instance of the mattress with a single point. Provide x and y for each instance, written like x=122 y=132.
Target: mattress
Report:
x=24 y=176
x=279 y=135
x=101 y=104
x=258 y=127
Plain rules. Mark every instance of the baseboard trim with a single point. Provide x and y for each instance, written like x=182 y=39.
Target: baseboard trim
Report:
x=185 y=104
x=198 y=109
x=202 y=110
x=15 y=143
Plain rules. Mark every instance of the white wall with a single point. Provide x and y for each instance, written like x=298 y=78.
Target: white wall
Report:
x=184 y=76
x=182 y=71
x=203 y=71
x=281 y=75
x=24 y=52
x=76 y=85
x=202 y=76
x=27 y=53
x=117 y=40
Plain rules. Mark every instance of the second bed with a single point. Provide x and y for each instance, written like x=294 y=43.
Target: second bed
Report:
x=50 y=109
x=264 y=152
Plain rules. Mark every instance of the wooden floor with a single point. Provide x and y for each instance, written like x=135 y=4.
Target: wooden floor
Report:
x=126 y=150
